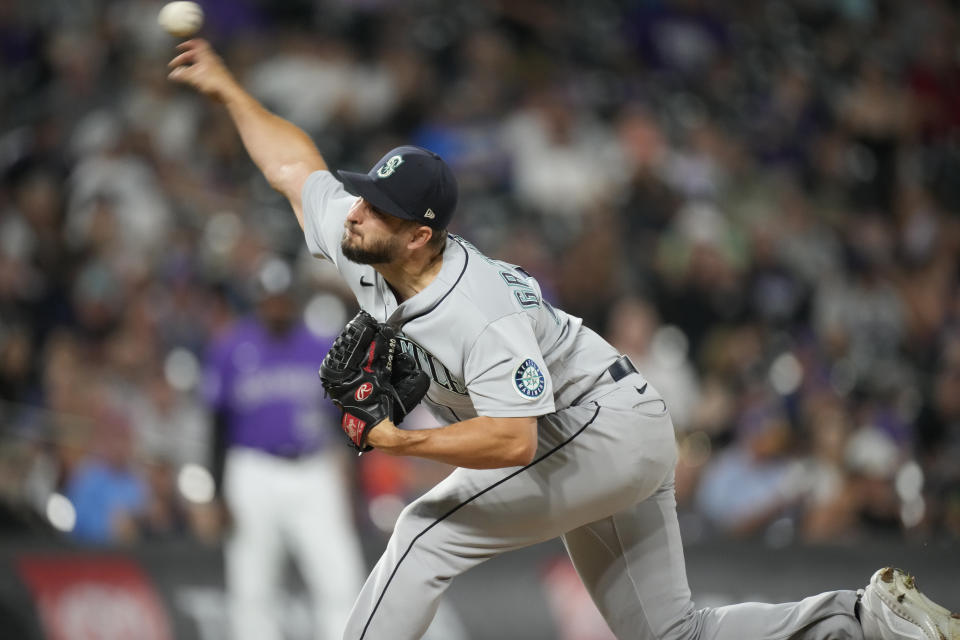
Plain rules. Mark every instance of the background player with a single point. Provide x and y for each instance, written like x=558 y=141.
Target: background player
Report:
x=519 y=384
x=283 y=483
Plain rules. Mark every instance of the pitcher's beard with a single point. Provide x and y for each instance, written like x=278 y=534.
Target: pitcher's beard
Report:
x=381 y=252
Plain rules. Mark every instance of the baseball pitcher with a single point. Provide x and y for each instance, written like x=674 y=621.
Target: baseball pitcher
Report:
x=554 y=433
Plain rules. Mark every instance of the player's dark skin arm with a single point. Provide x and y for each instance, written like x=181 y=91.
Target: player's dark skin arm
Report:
x=281 y=150
x=478 y=443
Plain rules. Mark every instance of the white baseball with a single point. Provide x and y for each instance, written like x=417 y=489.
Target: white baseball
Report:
x=181 y=19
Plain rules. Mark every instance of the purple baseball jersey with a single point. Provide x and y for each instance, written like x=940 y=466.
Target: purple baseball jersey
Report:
x=269 y=388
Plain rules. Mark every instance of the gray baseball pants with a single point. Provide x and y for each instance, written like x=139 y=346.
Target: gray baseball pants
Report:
x=602 y=479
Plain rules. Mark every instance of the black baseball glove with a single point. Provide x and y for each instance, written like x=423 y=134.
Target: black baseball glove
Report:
x=410 y=383
x=368 y=379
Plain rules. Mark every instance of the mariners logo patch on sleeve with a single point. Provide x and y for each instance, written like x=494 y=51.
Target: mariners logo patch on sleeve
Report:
x=529 y=380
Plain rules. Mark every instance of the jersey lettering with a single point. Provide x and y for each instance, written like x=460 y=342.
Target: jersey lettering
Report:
x=527 y=298
x=524 y=293
x=513 y=279
x=429 y=363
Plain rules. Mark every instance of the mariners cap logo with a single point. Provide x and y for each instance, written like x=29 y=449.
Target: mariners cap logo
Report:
x=390 y=166
x=528 y=380
x=429 y=215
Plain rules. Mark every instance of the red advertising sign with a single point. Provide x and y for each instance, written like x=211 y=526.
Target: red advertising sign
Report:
x=94 y=598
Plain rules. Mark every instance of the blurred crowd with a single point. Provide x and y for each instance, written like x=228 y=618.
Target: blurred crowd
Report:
x=757 y=201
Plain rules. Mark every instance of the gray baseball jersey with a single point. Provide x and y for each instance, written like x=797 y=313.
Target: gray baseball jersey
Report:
x=482 y=330
x=602 y=477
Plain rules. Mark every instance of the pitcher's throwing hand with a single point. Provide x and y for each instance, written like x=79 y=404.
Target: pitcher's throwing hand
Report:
x=199 y=66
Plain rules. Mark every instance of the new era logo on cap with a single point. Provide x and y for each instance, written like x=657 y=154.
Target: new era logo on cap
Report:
x=405 y=182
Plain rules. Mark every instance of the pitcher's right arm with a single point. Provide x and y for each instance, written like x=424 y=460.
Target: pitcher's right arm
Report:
x=281 y=150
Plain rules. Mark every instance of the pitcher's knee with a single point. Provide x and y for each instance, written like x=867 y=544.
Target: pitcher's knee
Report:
x=440 y=550
x=411 y=524
x=415 y=534
x=428 y=516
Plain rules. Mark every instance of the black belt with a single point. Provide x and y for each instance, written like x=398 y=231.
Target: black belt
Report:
x=621 y=368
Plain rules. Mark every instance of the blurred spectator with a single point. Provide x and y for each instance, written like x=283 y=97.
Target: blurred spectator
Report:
x=284 y=482
x=938 y=439
x=111 y=172
x=872 y=458
x=749 y=484
x=170 y=425
x=701 y=288
x=154 y=108
x=804 y=241
x=776 y=295
x=563 y=162
x=859 y=315
x=165 y=514
x=316 y=80
x=106 y=491
x=832 y=505
x=879 y=115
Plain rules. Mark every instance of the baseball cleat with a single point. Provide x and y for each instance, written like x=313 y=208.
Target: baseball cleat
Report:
x=892 y=608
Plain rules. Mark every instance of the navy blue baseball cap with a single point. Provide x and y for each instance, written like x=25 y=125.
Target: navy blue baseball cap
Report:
x=408 y=182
